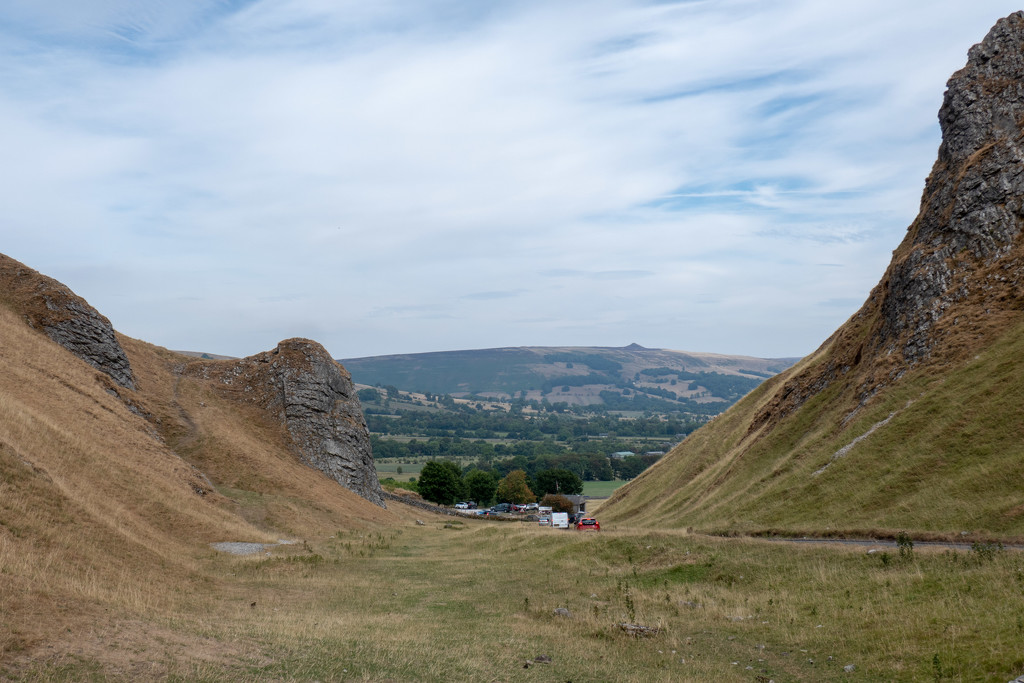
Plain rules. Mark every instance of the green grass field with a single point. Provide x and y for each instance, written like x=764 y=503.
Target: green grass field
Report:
x=601 y=489
x=387 y=469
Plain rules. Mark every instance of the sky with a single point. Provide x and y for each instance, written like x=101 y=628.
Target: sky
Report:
x=406 y=176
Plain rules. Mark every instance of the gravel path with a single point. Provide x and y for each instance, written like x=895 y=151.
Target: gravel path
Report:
x=238 y=548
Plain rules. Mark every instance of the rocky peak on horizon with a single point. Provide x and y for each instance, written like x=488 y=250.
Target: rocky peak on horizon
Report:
x=955 y=281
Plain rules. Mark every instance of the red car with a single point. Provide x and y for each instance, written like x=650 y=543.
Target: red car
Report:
x=588 y=524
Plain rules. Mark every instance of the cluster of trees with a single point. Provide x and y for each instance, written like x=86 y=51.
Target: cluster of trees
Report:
x=513 y=425
x=531 y=457
x=445 y=483
x=453 y=447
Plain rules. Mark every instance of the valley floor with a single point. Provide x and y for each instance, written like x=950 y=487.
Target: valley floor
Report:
x=451 y=600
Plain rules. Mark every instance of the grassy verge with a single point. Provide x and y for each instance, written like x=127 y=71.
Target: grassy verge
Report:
x=477 y=601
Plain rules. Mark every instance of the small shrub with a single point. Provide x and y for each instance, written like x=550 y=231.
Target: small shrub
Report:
x=905 y=546
x=986 y=552
x=389 y=484
x=630 y=607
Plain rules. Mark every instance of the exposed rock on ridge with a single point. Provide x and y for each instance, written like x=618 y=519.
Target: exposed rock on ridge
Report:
x=957 y=276
x=66 y=318
x=313 y=396
x=972 y=209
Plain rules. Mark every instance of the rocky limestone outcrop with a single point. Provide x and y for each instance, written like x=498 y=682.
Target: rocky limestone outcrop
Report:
x=313 y=396
x=66 y=318
x=973 y=203
x=958 y=276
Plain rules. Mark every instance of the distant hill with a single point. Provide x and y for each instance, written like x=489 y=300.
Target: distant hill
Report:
x=911 y=415
x=619 y=378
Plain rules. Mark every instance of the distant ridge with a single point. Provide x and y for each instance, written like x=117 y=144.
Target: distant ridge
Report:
x=206 y=356
x=576 y=375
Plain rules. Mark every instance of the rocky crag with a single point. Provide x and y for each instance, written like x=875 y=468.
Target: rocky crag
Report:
x=300 y=385
x=66 y=318
x=956 y=279
x=297 y=383
x=910 y=414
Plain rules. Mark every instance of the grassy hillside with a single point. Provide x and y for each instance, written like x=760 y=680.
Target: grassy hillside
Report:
x=99 y=514
x=910 y=415
x=106 y=573
x=938 y=453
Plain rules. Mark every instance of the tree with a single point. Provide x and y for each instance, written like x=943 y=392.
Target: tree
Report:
x=557 y=502
x=600 y=468
x=629 y=467
x=559 y=481
x=480 y=487
x=368 y=394
x=439 y=483
x=513 y=488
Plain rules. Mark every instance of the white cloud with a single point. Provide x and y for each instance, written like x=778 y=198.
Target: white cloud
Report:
x=411 y=176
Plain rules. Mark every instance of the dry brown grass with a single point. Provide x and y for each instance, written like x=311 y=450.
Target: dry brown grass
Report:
x=101 y=520
x=106 y=571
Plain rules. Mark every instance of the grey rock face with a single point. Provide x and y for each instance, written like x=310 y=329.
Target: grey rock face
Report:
x=66 y=318
x=972 y=209
x=314 y=396
x=961 y=264
x=89 y=335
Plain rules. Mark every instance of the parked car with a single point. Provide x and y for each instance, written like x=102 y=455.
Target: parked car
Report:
x=502 y=507
x=531 y=506
x=462 y=506
x=588 y=524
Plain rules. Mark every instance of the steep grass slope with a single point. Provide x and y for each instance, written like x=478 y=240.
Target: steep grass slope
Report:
x=940 y=453
x=109 y=496
x=93 y=509
x=909 y=416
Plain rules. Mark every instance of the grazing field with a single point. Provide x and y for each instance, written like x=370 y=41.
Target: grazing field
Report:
x=601 y=489
x=387 y=469
x=477 y=600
